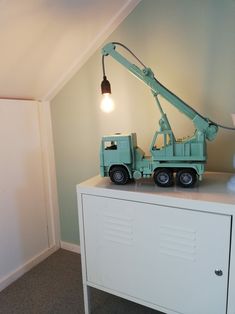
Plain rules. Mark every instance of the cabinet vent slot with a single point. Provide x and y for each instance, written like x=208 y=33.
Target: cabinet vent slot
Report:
x=118 y=229
x=178 y=242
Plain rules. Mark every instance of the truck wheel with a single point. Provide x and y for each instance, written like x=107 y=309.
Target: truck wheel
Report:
x=186 y=178
x=163 y=177
x=119 y=175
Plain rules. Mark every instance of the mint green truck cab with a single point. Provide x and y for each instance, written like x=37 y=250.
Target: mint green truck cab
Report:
x=117 y=157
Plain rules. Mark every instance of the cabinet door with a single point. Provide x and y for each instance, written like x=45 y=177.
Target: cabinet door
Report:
x=163 y=255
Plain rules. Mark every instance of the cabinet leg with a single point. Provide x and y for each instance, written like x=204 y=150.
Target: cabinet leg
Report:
x=86 y=293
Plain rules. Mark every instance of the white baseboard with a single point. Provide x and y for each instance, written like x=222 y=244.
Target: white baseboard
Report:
x=10 y=278
x=70 y=247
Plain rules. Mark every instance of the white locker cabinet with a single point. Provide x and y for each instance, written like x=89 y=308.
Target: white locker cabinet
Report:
x=168 y=249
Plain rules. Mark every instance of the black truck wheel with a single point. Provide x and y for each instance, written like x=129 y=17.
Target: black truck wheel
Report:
x=119 y=175
x=186 y=178
x=163 y=177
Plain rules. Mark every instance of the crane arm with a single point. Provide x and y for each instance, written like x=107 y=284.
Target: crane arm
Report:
x=146 y=75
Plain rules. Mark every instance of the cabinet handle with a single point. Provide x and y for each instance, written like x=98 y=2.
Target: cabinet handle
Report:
x=219 y=272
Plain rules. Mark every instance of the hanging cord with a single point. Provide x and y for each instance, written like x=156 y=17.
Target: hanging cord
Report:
x=103 y=67
x=132 y=53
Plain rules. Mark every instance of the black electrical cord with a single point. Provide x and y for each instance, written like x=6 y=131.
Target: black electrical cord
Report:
x=188 y=106
x=224 y=126
x=125 y=47
x=132 y=53
x=103 y=67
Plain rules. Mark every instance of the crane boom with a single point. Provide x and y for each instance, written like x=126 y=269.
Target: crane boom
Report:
x=146 y=75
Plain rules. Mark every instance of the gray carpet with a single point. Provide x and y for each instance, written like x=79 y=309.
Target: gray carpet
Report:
x=55 y=287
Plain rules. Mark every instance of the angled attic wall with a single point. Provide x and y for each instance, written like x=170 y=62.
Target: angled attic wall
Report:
x=87 y=50
x=43 y=43
x=190 y=45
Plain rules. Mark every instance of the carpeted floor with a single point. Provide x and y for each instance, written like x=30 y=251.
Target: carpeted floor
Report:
x=55 y=287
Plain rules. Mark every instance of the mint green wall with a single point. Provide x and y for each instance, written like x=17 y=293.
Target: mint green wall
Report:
x=190 y=45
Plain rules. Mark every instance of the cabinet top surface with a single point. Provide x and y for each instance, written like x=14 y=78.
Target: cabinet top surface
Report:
x=215 y=187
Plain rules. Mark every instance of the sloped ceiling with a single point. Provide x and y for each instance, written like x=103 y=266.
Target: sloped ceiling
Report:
x=44 y=42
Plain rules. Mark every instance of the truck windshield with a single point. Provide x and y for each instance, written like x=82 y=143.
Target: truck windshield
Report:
x=110 y=145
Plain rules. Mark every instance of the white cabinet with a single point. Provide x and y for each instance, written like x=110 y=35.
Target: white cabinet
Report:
x=167 y=250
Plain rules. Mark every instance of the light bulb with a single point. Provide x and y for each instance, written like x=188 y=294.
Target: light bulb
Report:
x=107 y=104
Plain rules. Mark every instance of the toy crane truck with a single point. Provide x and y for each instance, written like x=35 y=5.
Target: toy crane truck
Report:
x=180 y=160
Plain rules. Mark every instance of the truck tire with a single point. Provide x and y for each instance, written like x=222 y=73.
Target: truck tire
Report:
x=186 y=178
x=163 y=177
x=119 y=175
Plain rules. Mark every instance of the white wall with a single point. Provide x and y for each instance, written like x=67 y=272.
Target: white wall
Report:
x=28 y=229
